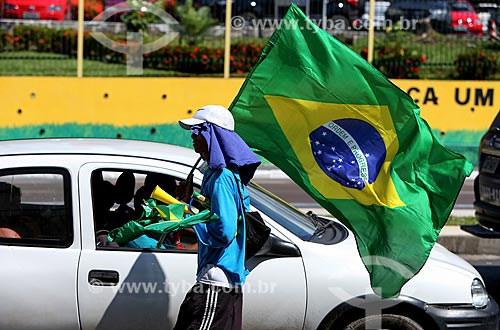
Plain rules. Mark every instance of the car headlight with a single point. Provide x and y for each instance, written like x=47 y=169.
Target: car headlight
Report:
x=479 y=294
x=11 y=7
x=55 y=8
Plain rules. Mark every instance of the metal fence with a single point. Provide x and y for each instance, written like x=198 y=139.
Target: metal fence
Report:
x=435 y=39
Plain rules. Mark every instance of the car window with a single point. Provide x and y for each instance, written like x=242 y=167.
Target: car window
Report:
x=35 y=207
x=461 y=6
x=280 y=211
x=308 y=227
x=118 y=204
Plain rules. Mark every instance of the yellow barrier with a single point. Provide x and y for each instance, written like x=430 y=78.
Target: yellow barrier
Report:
x=116 y=101
x=446 y=105
x=455 y=105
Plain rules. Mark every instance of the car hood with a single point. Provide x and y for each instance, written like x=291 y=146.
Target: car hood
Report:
x=442 y=257
x=456 y=15
x=445 y=278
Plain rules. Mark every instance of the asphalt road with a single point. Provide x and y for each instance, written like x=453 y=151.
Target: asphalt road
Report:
x=289 y=191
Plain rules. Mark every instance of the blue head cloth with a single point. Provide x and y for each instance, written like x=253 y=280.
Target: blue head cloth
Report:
x=226 y=149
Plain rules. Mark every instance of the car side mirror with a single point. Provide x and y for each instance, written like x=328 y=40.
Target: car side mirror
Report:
x=278 y=248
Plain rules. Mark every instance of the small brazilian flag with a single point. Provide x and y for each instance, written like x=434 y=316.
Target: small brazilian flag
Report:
x=355 y=143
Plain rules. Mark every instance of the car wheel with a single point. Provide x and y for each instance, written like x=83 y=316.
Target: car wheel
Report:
x=387 y=321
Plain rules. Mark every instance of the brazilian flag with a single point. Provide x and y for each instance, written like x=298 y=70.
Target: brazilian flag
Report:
x=355 y=143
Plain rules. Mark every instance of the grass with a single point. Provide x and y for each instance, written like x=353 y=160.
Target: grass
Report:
x=458 y=221
x=47 y=64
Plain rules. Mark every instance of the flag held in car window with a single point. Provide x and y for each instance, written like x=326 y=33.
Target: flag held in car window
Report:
x=355 y=143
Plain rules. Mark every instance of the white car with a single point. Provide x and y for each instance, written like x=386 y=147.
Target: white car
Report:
x=55 y=276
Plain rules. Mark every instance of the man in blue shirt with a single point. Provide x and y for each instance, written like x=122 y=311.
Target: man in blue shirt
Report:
x=216 y=300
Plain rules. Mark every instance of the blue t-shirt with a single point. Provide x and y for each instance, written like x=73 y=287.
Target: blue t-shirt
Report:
x=222 y=242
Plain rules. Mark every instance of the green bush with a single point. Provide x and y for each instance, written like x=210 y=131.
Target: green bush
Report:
x=186 y=59
x=192 y=59
x=193 y=22
x=399 y=63
x=476 y=65
x=396 y=57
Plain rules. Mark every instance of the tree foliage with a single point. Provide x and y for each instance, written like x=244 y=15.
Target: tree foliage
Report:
x=193 y=22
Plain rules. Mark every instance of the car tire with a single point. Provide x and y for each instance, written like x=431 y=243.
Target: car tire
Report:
x=388 y=321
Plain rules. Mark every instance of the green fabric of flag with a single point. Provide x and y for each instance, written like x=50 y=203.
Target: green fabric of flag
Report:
x=158 y=219
x=355 y=143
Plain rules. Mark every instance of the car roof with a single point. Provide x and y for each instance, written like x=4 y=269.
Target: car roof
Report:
x=95 y=146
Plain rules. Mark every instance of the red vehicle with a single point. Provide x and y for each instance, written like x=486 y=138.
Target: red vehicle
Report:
x=464 y=18
x=35 y=9
x=92 y=8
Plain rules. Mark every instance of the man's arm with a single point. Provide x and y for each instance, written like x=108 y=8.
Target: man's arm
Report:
x=220 y=233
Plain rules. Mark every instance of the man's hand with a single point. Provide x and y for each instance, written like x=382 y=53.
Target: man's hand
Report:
x=184 y=189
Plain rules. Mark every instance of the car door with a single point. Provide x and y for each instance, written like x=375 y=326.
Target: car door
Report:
x=40 y=252
x=275 y=291
x=142 y=289
x=127 y=288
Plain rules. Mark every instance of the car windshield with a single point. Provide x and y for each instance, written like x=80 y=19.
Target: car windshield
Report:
x=496 y=122
x=461 y=6
x=280 y=211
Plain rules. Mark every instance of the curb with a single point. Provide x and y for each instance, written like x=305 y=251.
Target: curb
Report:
x=460 y=242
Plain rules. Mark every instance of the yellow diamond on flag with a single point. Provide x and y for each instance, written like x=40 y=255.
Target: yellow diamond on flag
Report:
x=297 y=123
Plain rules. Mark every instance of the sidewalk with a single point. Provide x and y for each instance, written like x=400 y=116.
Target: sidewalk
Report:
x=460 y=242
x=452 y=237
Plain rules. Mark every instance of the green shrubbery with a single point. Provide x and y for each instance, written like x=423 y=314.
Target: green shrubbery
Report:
x=181 y=58
x=476 y=65
x=397 y=62
x=395 y=56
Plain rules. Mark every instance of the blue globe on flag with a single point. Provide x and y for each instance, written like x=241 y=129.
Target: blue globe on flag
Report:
x=350 y=151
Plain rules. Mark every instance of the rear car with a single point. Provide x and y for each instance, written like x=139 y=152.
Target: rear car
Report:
x=489 y=13
x=59 y=273
x=464 y=18
x=31 y=9
x=342 y=13
x=487 y=182
x=423 y=13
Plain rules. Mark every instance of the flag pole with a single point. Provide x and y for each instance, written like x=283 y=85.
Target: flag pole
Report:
x=227 y=41
x=79 y=47
x=371 y=33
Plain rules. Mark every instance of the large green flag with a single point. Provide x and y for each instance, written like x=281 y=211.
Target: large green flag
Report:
x=353 y=141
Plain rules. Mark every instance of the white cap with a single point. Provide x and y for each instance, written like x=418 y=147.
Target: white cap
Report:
x=215 y=114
